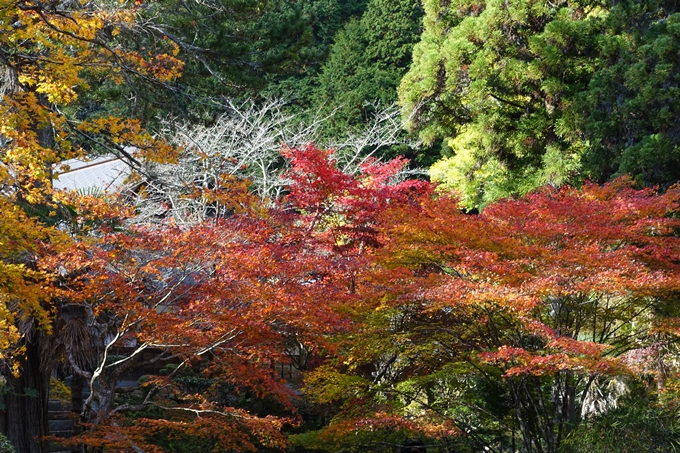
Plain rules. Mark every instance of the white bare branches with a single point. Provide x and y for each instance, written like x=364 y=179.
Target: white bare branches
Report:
x=385 y=129
x=245 y=143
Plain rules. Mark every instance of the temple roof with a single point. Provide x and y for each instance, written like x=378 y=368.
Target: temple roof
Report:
x=105 y=173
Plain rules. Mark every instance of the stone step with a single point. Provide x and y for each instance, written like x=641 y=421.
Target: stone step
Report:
x=60 y=425
x=62 y=415
x=58 y=406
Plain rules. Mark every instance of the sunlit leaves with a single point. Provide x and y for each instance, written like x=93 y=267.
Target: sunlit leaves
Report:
x=536 y=295
x=22 y=286
x=51 y=55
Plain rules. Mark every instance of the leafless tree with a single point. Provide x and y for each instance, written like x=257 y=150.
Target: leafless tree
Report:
x=245 y=143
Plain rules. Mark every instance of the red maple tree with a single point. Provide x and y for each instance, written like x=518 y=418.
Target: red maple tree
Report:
x=217 y=307
x=538 y=299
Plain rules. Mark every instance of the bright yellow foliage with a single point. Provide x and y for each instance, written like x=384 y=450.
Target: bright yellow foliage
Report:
x=49 y=53
x=22 y=287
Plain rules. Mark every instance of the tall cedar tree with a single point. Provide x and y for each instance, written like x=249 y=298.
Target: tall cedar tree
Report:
x=534 y=93
x=368 y=58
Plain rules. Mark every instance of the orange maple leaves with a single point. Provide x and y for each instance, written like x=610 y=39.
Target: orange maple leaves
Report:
x=227 y=299
x=394 y=283
x=544 y=258
x=557 y=285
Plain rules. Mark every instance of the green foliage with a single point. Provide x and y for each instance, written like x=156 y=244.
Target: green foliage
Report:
x=368 y=57
x=235 y=44
x=534 y=93
x=367 y=60
x=326 y=385
x=633 y=103
x=356 y=54
x=230 y=49
x=497 y=80
x=637 y=425
x=323 y=19
x=5 y=446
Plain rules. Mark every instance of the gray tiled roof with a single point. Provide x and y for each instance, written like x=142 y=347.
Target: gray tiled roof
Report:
x=105 y=173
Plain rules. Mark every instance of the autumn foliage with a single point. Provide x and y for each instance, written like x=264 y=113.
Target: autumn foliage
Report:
x=222 y=304
x=539 y=299
x=51 y=53
x=404 y=315
x=355 y=309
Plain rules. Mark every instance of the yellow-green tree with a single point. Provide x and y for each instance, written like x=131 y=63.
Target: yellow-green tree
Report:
x=532 y=93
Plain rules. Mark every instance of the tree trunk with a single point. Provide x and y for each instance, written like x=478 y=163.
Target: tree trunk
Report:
x=26 y=411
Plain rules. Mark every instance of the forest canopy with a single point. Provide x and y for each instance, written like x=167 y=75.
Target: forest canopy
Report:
x=369 y=225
